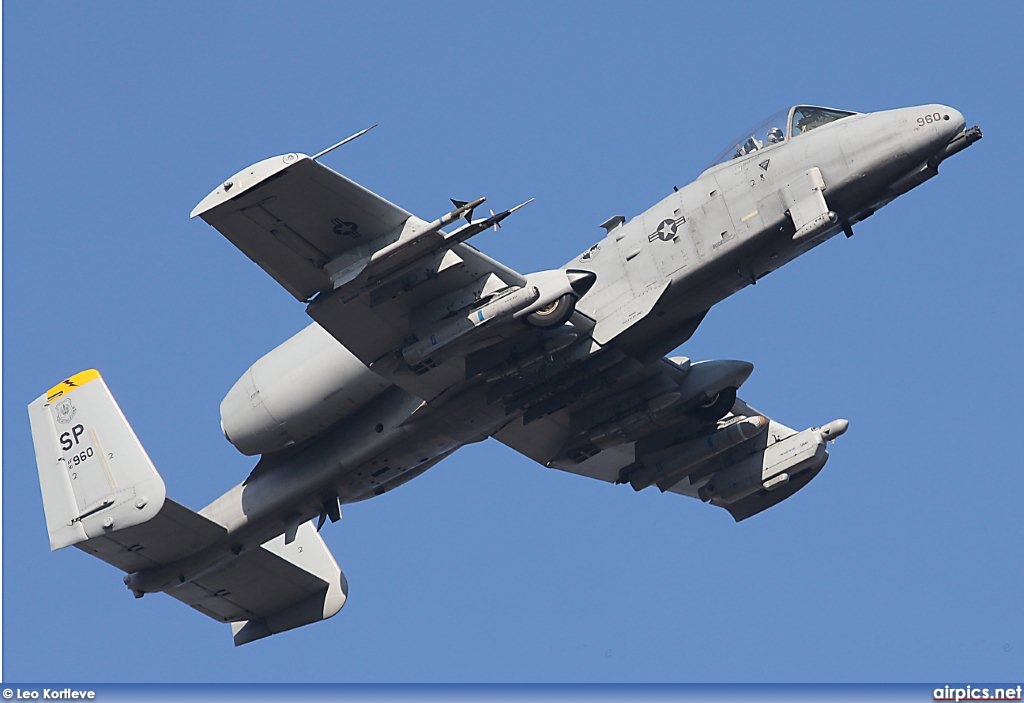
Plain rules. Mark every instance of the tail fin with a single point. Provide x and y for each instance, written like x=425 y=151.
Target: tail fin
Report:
x=102 y=494
x=94 y=474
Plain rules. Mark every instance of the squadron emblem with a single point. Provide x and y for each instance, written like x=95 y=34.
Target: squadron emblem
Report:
x=65 y=411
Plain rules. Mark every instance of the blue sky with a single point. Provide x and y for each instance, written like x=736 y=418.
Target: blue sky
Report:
x=901 y=562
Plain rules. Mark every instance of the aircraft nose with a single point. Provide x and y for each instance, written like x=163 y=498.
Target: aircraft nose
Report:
x=931 y=128
x=953 y=118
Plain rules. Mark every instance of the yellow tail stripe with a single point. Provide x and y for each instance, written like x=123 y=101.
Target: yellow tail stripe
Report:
x=70 y=384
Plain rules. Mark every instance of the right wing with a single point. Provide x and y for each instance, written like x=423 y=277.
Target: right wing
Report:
x=293 y=217
x=408 y=298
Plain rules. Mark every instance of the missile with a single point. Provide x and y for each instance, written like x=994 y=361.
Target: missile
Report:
x=403 y=251
x=477 y=226
x=394 y=256
x=462 y=207
x=467 y=207
x=669 y=466
x=401 y=248
x=441 y=337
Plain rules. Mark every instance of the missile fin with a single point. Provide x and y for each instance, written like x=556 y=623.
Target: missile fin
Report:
x=462 y=203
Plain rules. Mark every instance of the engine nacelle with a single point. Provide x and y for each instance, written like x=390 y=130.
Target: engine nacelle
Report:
x=706 y=379
x=296 y=391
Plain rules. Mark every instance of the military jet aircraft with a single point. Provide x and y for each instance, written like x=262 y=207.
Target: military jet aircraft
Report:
x=422 y=344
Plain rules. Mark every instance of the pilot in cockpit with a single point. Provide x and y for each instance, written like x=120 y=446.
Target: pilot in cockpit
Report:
x=775 y=135
x=809 y=119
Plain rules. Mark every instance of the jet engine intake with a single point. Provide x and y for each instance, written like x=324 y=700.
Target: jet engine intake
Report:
x=716 y=406
x=709 y=388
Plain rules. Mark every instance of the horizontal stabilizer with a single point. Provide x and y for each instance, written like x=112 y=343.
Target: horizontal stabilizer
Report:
x=175 y=532
x=272 y=589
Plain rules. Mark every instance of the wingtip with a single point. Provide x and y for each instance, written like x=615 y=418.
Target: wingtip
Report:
x=244 y=180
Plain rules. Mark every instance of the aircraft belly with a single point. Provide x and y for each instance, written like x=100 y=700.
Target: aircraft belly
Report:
x=390 y=456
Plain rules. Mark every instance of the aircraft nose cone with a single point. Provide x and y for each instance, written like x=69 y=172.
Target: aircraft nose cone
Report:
x=953 y=120
x=931 y=128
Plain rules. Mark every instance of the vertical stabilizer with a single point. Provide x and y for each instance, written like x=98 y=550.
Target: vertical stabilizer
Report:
x=95 y=476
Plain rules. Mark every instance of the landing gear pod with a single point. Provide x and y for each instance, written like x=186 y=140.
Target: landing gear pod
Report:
x=555 y=313
x=558 y=311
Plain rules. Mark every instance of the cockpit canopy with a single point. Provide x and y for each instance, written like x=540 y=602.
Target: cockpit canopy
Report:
x=783 y=125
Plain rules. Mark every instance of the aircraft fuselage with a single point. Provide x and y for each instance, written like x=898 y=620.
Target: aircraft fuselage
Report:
x=330 y=430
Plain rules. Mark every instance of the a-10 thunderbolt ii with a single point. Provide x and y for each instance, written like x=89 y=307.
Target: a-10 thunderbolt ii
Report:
x=422 y=344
